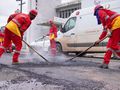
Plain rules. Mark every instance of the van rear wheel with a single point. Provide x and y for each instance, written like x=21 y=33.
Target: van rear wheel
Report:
x=58 y=48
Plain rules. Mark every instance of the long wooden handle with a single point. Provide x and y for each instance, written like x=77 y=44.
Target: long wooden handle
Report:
x=87 y=49
x=35 y=51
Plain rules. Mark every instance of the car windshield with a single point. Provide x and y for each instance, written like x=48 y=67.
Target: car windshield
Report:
x=70 y=24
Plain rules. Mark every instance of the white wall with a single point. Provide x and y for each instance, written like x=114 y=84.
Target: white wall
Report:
x=88 y=3
x=46 y=9
x=66 y=1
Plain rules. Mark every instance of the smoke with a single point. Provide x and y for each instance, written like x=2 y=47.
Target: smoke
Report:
x=58 y=58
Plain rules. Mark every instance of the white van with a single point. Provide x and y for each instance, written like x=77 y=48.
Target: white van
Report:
x=81 y=30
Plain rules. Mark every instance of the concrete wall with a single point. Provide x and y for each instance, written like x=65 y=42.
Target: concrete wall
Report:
x=88 y=3
x=67 y=1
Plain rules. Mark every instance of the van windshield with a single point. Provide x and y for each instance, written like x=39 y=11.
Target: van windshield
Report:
x=70 y=24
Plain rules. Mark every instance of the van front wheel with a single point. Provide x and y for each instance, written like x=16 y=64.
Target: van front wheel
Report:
x=59 y=48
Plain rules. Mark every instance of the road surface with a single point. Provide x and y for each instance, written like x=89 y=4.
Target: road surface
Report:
x=33 y=73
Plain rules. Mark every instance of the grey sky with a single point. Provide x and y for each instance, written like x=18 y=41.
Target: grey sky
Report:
x=8 y=7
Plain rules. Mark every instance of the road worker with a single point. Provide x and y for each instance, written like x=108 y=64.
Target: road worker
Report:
x=52 y=36
x=110 y=21
x=9 y=48
x=14 y=31
x=1 y=38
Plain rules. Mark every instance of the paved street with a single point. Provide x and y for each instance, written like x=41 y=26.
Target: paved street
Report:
x=35 y=74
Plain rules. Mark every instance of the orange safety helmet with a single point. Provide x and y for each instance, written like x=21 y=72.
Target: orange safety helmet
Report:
x=33 y=12
x=97 y=8
x=50 y=21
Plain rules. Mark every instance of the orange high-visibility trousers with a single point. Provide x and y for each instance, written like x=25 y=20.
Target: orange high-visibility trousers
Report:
x=7 y=41
x=112 y=46
x=53 y=47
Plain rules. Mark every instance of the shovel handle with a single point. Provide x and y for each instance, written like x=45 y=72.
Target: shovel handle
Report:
x=87 y=49
x=35 y=51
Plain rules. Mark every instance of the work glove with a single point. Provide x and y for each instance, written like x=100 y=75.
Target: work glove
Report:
x=97 y=43
x=47 y=34
x=43 y=37
x=21 y=37
x=109 y=35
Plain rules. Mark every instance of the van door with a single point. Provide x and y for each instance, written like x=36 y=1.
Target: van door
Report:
x=87 y=32
x=68 y=39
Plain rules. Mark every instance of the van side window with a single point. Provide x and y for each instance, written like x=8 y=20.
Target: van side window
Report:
x=70 y=24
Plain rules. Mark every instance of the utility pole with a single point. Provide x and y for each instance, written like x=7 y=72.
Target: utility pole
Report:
x=21 y=4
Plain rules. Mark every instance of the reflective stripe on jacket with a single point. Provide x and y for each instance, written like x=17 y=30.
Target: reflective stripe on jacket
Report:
x=23 y=21
x=106 y=17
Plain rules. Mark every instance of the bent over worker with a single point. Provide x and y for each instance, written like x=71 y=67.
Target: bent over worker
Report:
x=110 y=21
x=14 y=31
x=9 y=48
x=1 y=38
x=52 y=36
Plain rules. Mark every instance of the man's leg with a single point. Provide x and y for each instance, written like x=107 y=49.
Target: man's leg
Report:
x=10 y=48
x=53 y=47
x=7 y=40
x=106 y=60
x=112 y=46
x=2 y=50
x=15 y=57
x=18 y=44
x=116 y=40
x=107 y=57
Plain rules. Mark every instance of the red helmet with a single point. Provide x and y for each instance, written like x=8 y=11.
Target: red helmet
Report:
x=50 y=21
x=97 y=8
x=34 y=12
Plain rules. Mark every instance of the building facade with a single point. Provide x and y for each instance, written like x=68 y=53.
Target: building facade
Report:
x=65 y=10
x=48 y=10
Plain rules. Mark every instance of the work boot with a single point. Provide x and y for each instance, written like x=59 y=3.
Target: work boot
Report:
x=15 y=60
x=15 y=63
x=104 y=66
x=117 y=55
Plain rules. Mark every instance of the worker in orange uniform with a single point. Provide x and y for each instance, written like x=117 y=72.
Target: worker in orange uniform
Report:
x=9 y=48
x=1 y=38
x=14 y=31
x=52 y=36
x=110 y=21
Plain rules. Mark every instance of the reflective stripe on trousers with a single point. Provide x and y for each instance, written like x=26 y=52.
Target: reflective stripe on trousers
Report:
x=14 y=20
x=111 y=17
x=115 y=52
x=3 y=47
x=16 y=51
